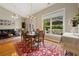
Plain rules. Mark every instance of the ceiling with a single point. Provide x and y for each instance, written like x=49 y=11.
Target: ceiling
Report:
x=25 y=9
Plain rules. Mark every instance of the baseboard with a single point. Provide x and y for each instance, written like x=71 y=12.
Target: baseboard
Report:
x=52 y=41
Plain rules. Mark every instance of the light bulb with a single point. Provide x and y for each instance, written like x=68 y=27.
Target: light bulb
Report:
x=27 y=16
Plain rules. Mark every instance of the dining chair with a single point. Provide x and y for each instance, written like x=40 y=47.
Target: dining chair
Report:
x=41 y=38
x=28 y=42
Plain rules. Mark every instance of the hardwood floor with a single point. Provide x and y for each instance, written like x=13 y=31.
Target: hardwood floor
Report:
x=7 y=47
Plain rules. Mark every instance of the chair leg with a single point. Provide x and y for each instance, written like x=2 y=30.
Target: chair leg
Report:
x=21 y=38
x=43 y=43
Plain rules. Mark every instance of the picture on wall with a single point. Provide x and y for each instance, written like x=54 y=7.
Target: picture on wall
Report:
x=6 y=22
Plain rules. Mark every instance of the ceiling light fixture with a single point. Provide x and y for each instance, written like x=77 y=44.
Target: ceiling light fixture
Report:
x=15 y=16
x=31 y=16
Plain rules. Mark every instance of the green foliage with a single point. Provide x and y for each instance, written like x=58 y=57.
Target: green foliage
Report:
x=57 y=26
x=54 y=26
x=75 y=20
x=46 y=23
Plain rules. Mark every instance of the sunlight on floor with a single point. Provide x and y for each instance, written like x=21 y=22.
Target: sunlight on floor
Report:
x=7 y=49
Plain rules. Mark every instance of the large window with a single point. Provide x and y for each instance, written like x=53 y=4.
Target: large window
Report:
x=57 y=25
x=53 y=24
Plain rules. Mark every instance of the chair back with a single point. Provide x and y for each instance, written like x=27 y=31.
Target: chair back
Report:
x=41 y=35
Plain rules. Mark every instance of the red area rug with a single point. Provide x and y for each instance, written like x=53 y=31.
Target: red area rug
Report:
x=48 y=50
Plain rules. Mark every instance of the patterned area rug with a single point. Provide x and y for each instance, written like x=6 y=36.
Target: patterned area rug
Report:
x=50 y=49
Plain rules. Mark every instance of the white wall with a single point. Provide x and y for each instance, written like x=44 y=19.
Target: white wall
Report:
x=7 y=15
x=71 y=9
x=78 y=5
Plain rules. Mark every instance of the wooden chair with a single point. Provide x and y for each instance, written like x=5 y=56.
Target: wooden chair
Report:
x=41 y=36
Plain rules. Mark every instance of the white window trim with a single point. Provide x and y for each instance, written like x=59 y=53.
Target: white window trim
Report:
x=43 y=17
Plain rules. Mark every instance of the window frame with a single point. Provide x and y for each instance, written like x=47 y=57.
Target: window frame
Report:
x=49 y=16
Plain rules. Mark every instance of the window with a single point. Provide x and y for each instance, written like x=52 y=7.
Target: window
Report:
x=54 y=23
x=57 y=25
x=47 y=25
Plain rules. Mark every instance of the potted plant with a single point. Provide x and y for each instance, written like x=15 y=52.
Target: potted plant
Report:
x=75 y=22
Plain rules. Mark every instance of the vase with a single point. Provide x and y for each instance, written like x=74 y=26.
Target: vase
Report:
x=74 y=30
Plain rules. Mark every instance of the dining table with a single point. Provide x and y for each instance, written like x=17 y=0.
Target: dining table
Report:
x=31 y=40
